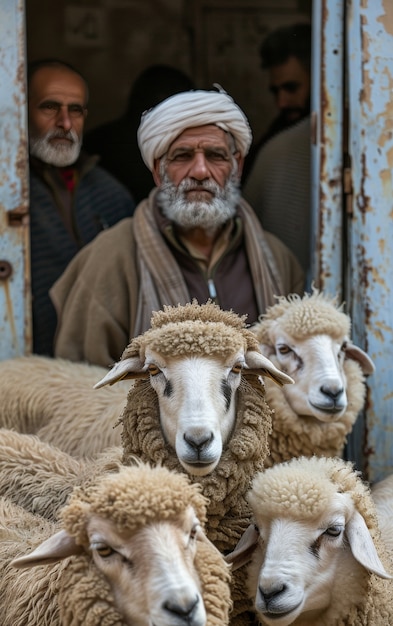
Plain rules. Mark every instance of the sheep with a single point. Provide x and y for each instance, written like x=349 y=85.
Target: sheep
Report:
x=308 y=338
x=199 y=407
x=319 y=556
x=39 y=477
x=58 y=403
x=138 y=552
x=55 y=399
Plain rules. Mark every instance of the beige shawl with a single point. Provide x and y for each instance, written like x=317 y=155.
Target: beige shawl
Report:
x=161 y=280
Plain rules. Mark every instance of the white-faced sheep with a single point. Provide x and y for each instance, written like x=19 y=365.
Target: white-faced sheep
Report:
x=58 y=403
x=309 y=339
x=319 y=557
x=201 y=410
x=55 y=399
x=138 y=557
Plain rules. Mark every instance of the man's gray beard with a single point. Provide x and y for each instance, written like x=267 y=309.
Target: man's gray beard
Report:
x=59 y=155
x=209 y=215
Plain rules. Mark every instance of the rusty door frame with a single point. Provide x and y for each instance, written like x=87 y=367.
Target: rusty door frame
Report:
x=369 y=25
x=15 y=299
x=352 y=197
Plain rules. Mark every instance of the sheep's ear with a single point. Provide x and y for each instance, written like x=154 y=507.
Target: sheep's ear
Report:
x=58 y=547
x=356 y=354
x=260 y=365
x=128 y=368
x=362 y=545
x=244 y=548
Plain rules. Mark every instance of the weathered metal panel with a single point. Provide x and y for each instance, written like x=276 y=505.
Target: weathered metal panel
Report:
x=15 y=316
x=370 y=236
x=327 y=144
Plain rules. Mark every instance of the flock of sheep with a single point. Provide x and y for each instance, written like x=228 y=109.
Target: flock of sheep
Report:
x=198 y=482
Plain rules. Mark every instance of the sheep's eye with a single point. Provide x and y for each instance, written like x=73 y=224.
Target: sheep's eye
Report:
x=153 y=369
x=284 y=349
x=334 y=531
x=237 y=368
x=341 y=352
x=104 y=551
x=194 y=531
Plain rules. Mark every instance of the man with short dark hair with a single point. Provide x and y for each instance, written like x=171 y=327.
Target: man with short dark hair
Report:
x=71 y=198
x=286 y=54
x=193 y=237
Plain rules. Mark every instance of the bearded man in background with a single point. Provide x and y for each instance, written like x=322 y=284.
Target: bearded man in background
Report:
x=194 y=237
x=71 y=198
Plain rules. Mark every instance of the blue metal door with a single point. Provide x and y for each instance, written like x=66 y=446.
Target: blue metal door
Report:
x=352 y=196
x=15 y=316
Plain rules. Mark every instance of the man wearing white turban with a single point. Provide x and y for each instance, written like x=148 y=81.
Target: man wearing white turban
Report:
x=194 y=237
x=160 y=126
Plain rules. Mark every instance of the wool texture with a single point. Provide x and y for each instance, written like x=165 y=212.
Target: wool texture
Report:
x=59 y=393
x=300 y=318
x=40 y=477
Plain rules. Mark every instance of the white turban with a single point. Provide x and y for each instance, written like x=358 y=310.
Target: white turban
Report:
x=161 y=125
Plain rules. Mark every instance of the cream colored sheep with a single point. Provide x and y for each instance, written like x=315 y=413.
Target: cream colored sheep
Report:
x=319 y=557
x=138 y=557
x=202 y=410
x=309 y=339
x=55 y=399
x=39 y=477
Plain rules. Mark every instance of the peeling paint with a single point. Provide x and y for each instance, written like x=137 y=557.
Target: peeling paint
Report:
x=370 y=231
x=327 y=95
x=15 y=297
x=386 y=19
x=10 y=327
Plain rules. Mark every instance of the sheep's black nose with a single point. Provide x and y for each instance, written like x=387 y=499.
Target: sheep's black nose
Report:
x=198 y=443
x=272 y=593
x=184 y=611
x=334 y=394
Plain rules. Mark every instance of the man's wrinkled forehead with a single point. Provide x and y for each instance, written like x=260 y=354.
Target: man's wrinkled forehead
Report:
x=201 y=136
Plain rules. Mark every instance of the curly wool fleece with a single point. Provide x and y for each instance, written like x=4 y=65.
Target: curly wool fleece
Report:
x=300 y=318
x=194 y=329
x=132 y=498
x=207 y=329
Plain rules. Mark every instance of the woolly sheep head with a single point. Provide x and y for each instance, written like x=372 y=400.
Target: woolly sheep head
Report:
x=141 y=527
x=315 y=529
x=195 y=357
x=308 y=338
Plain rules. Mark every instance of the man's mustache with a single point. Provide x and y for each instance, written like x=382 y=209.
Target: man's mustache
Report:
x=59 y=134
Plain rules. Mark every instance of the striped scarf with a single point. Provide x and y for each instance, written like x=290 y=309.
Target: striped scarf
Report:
x=161 y=279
